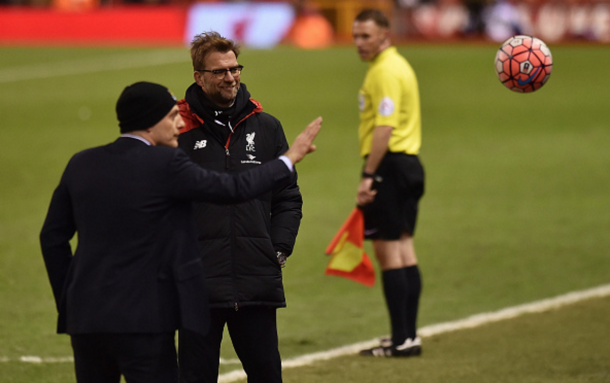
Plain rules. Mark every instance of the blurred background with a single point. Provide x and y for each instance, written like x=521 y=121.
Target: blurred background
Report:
x=306 y=24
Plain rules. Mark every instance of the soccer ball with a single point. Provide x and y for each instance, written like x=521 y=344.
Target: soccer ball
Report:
x=524 y=63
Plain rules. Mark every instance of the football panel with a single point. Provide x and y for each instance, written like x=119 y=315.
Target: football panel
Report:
x=526 y=67
x=499 y=67
x=535 y=59
x=545 y=79
x=515 y=41
x=503 y=77
x=520 y=50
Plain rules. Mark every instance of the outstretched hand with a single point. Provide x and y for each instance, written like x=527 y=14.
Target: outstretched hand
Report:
x=303 y=144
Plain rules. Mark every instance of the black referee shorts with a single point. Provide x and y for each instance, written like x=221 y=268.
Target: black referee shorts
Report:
x=394 y=210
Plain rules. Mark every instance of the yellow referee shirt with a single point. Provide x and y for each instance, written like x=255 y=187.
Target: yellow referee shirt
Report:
x=390 y=97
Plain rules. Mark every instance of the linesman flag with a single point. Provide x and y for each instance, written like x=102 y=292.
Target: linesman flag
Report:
x=348 y=257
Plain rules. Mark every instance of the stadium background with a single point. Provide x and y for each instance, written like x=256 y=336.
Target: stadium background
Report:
x=516 y=208
x=314 y=23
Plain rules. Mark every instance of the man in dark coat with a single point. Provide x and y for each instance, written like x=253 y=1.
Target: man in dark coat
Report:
x=136 y=275
x=248 y=243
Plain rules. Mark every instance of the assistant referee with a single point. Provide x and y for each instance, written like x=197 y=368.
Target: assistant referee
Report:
x=392 y=177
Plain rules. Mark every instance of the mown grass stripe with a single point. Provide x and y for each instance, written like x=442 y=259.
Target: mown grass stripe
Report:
x=92 y=65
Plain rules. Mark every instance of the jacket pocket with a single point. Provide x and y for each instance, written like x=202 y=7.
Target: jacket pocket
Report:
x=189 y=270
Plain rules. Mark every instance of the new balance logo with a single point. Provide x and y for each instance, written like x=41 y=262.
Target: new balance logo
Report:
x=200 y=144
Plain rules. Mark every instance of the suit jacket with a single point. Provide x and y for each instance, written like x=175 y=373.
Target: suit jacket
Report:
x=136 y=267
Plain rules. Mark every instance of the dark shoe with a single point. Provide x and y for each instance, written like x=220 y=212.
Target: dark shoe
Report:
x=409 y=348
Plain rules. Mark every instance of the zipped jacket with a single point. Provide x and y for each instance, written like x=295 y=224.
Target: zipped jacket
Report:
x=238 y=243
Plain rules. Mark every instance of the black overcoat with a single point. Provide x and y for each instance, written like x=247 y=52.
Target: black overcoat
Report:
x=136 y=267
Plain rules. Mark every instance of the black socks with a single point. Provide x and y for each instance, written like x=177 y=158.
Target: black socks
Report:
x=402 y=288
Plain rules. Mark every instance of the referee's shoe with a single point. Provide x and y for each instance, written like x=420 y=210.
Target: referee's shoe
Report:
x=411 y=347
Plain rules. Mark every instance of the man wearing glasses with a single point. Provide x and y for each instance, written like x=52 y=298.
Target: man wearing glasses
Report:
x=243 y=246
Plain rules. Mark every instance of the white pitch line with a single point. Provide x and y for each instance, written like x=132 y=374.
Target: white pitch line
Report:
x=441 y=328
x=69 y=359
x=93 y=65
x=427 y=331
x=37 y=359
x=515 y=311
x=229 y=361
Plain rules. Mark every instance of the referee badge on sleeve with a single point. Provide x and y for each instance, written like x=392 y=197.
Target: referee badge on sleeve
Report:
x=361 y=101
x=386 y=107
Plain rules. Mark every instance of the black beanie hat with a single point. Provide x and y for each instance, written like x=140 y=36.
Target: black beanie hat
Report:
x=142 y=105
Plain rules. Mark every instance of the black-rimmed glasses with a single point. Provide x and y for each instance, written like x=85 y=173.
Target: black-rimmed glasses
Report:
x=221 y=73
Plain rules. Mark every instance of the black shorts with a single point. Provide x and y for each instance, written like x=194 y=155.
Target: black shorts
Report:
x=394 y=210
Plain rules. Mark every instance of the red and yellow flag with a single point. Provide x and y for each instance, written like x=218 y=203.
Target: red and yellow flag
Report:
x=348 y=257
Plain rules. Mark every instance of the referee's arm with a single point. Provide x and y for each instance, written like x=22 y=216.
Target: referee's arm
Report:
x=379 y=147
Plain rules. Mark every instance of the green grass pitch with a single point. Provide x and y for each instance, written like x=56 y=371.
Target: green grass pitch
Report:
x=516 y=209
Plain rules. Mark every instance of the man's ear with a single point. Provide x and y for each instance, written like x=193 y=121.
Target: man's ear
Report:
x=386 y=34
x=198 y=76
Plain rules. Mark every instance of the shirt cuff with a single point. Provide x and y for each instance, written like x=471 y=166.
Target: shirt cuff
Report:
x=287 y=162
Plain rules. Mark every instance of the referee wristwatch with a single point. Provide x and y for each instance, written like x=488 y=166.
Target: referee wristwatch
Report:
x=375 y=177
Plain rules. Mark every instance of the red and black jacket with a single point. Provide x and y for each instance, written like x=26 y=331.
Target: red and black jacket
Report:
x=239 y=242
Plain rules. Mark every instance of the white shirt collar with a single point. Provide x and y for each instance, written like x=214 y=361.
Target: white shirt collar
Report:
x=137 y=138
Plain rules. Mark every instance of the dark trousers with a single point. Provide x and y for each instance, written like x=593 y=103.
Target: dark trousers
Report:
x=140 y=358
x=253 y=332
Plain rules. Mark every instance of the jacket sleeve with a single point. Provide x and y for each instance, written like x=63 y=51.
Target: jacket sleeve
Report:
x=190 y=181
x=286 y=205
x=57 y=231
